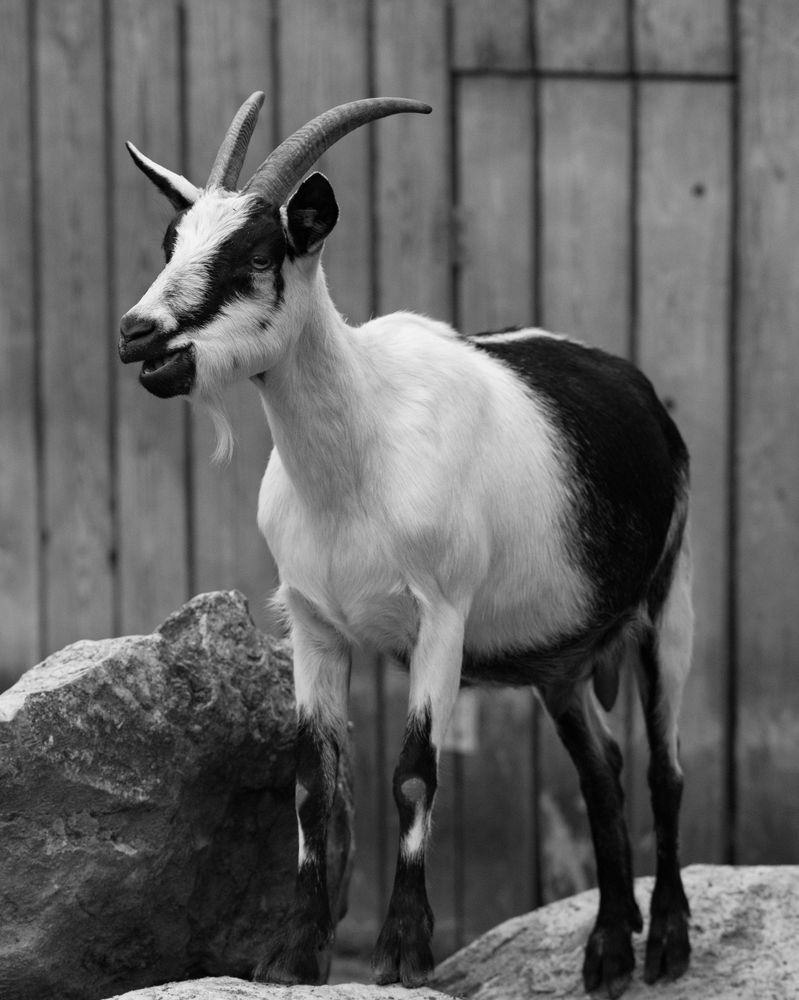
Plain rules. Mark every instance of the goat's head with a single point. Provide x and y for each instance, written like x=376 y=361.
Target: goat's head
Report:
x=234 y=258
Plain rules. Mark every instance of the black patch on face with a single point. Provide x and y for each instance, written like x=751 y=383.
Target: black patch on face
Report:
x=171 y=235
x=230 y=270
x=629 y=459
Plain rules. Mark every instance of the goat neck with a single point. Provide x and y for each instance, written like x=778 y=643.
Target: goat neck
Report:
x=318 y=404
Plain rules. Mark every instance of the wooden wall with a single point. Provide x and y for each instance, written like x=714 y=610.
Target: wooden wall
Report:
x=623 y=170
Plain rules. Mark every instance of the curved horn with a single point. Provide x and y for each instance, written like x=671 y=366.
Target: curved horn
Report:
x=227 y=165
x=283 y=168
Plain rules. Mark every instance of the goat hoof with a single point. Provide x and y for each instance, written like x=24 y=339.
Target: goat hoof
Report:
x=298 y=954
x=609 y=960
x=668 y=950
x=403 y=953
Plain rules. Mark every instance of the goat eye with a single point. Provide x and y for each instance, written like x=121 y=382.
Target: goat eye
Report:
x=259 y=262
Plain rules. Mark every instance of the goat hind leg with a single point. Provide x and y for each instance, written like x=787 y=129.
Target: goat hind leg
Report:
x=609 y=959
x=665 y=656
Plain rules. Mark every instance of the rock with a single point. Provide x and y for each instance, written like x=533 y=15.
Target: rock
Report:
x=147 y=828
x=744 y=928
x=235 y=989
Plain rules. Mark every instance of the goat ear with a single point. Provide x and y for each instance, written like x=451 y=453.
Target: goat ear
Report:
x=311 y=214
x=181 y=193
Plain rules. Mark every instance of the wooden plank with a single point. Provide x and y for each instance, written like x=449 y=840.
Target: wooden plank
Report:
x=324 y=45
x=574 y=35
x=585 y=184
x=152 y=504
x=683 y=36
x=684 y=226
x=413 y=183
x=227 y=58
x=767 y=567
x=76 y=342
x=19 y=595
x=585 y=293
x=324 y=53
x=484 y=41
x=413 y=201
x=495 y=151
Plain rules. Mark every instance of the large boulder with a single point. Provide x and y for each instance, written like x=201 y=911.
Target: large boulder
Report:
x=235 y=989
x=147 y=828
x=744 y=928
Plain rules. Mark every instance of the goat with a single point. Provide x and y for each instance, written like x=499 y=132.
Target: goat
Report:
x=505 y=508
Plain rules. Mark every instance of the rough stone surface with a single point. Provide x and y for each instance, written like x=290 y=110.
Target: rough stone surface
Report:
x=147 y=828
x=744 y=932
x=235 y=989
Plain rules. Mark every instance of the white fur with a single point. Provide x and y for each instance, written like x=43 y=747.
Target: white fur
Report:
x=414 y=841
x=675 y=647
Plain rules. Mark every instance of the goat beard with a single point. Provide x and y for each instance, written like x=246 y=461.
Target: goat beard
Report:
x=225 y=440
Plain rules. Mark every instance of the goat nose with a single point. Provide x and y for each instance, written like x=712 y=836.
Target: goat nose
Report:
x=133 y=326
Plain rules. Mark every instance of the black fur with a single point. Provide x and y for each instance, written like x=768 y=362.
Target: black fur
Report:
x=300 y=951
x=171 y=235
x=629 y=461
x=312 y=213
x=230 y=268
x=609 y=957
x=403 y=951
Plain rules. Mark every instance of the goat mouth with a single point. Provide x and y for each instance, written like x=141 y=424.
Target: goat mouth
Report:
x=169 y=374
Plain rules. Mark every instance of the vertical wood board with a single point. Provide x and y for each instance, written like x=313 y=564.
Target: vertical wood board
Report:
x=323 y=53
x=19 y=529
x=683 y=36
x=494 y=161
x=684 y=233
x=586 y=161
x=588 y=37
x=76 y=343
x=412 y=270
x=323 y=62
x=495 y=145
x=585 y=178
x=767 y=376
x=413 y=184
x=227 y=58
x=491 y=37
x=153 y=546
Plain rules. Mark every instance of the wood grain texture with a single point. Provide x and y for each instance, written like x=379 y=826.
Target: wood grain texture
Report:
x=586 y=202
x=19 y=528
x=324 y=61
x=494 y=162
x=768 y=415
x=683 y=36
x=574 y=35
x=76 y=343
x=227 y=58
x=413 y=270
x=684 y=229
x=413 y=183
x=495 y=152
x=585 y=185
x=484 y=41
x=152 y=504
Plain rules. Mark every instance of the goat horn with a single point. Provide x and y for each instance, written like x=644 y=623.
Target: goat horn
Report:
x=283 y=168
x=227 y=165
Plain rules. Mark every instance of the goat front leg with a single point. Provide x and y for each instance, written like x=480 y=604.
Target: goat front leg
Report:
x=300 y=951
x=403 y=952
